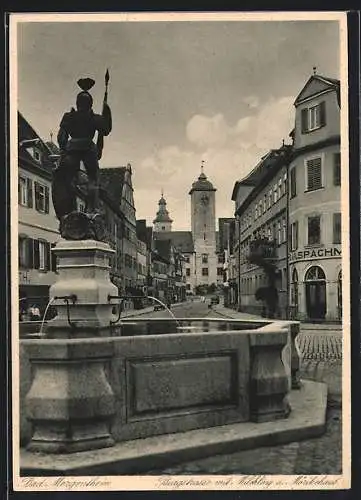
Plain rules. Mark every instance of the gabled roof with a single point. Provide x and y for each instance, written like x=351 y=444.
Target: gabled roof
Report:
x=112 y=180
x=268 y=167
x=26 y=132
x=181 y=240
x=315 y=85
x=258 y=173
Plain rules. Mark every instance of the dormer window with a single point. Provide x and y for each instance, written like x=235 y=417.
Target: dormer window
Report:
x=37 y=155
x=313 y=117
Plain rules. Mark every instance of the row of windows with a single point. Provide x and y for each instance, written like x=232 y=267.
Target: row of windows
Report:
x=314 y=178
x=276 y=231
x=275 y=193
x=314 y=232
x=251 y=284
x=36 y=254
x=205 y=258
x=27 y=188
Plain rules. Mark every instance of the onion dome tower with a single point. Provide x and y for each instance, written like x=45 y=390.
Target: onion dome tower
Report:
x=162 y=221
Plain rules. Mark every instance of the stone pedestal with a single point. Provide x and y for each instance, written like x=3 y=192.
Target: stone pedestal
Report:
x=70 y=402
x=83 y=268
x=269 y=382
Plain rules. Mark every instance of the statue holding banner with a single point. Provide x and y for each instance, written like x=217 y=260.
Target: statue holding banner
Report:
x=75 y=138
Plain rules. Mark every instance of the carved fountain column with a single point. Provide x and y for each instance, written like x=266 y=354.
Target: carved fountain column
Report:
x=71 y=403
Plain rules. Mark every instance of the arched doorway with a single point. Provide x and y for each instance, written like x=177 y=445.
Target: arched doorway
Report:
x=294 y=294
x=339 y=295
x=315 y=281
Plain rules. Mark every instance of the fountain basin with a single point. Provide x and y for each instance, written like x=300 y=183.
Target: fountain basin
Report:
x=157 y=380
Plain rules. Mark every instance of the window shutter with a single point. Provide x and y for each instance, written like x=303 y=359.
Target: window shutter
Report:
x=21 y=252
x=323 y=113
x=36 y=254
x=314 y=180
x=29 y=187
x=46 y=199
x=337 y=169
x=304 y=120
x=36 y=186
x=337 y=228
x=47 y=256
x=52 y=258
x=293 y=182
x=30 y=253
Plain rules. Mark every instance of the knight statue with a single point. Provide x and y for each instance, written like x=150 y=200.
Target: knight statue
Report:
x=76 y=142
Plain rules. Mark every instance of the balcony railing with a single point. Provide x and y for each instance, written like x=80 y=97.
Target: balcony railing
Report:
x=262 y=249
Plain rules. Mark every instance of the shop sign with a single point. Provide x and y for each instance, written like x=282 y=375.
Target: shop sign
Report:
x=315 y=253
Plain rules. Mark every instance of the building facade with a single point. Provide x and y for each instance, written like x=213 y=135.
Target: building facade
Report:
x=262 y=221
x=315 y=176
x=117 y=183
x=37 y=222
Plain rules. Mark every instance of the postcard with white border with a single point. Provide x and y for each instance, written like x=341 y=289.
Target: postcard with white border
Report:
x=180 y=251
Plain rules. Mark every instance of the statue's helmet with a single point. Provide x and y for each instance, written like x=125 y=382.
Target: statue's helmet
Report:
x=84 y=101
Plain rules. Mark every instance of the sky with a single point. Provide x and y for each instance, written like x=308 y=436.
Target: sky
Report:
x=180 y=93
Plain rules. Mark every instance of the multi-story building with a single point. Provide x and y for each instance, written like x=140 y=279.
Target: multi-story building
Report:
x=315 y=176
x=117 y=183
x=38 y=225
x=142 y=263
x=143 y=254
x=262 y=221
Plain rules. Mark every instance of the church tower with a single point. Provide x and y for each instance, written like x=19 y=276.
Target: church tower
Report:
x=162 y=221
x=203 y=220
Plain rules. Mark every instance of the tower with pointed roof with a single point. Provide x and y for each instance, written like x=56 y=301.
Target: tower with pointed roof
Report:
x=162 y=221
x=203 y=224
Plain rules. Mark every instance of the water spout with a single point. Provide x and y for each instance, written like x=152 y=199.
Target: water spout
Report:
x=165 y=307
x=46 y=310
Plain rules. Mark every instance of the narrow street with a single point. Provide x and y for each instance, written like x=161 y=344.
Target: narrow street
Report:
x=322 y=358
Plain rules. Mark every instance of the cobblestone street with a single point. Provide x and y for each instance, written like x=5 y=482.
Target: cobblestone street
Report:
x=320 y=346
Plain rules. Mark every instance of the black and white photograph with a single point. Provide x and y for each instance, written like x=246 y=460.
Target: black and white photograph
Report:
x=180 y=251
